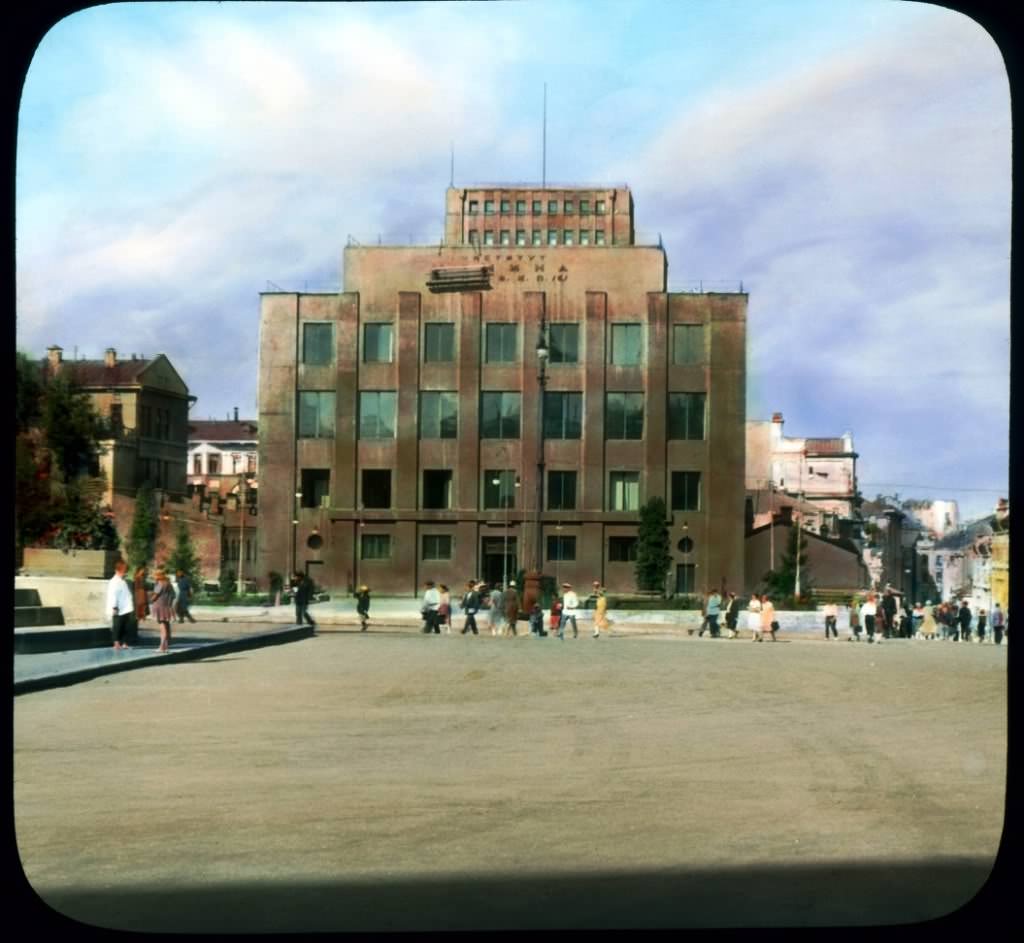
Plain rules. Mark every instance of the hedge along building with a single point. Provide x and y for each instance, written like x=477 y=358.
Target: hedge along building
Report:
x=410 y=431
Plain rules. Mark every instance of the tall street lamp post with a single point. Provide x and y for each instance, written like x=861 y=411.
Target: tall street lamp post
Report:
x=243 y=510
x=534 y=578
x=507 y=498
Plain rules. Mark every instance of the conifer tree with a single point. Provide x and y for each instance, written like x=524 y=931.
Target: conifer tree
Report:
x=781 y=583
x=141 y=545
x=653 y=557
x=184 y=557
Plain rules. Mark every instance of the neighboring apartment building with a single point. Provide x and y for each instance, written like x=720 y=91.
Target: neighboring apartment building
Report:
x=220 y=451
x=938 y=518
x=409 y=429
x=146 y=404
x=823 y=471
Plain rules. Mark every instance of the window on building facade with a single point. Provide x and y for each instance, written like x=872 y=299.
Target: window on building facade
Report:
x=569 y=206
x=685 y=491
x=213 y=464
x=599 y=206
x=250 y=463
x=520 y=206
x=376 y=414
x=686 y=578
x=376 y=488
x=598 y=237
x=488 y=237
x=624 y=491
x=584 y=237
x=627 y=344
x=499 y=415
x=552 y=206
x=624 y=416
x=438 y=342
x=538 y=207
x=584 y=207
x=563 y=415
x=567 y=238
x=474 y=237
x=378 y=343
x=474 y=207
x=500 y=343
x=686 y=415
x=520 y=237
x=437 y=546
x=506 y=239
x=315 y=485
x=687 y=343
x=537 y=237
x=437 y=489
x=552 y=237
x=488 y=207
x=622 y=549
x=197 y=465
x=317 y=343
x=439 y=415
x=316 y=415
x=564 y=343
x=561 y=548
x=500 y=489
x=375 y=547
x=562 y=491
x=505 y=206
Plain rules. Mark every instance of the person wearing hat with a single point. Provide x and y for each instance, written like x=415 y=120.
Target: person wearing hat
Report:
x=732 y=615
x=511 y=597
x=600 y=609
x=570 y=603
x=363 y=606
x=470 y=606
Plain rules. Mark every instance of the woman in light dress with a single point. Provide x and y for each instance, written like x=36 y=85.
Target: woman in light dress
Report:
x=162 y=604
x=754 y=618
x=767 y=619
x=929 y=627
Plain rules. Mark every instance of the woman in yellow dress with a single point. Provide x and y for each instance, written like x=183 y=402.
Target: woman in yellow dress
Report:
x=600 y=609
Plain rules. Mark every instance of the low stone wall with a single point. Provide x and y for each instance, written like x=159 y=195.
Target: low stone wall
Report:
x=81 y=564
x=82 y=600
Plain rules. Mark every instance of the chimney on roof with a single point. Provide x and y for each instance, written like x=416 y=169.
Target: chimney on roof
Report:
x=54 y=354
x=110 y=357
x=776 y=427
x=236 y=414
x=777 y=417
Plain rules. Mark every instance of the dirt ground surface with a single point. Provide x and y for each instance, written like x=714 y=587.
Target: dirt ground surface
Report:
x=400 y=781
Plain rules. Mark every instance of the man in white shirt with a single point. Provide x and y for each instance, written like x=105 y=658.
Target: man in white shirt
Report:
x=120 y=605
x=570 y=603
x=831 y=617
x=431 y=605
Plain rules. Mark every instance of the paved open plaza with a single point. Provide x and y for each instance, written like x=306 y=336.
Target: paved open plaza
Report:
x=400 y=781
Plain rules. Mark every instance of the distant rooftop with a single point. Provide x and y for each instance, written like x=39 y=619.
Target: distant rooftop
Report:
x=537 y=185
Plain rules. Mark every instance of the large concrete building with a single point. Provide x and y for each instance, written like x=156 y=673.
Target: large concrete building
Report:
x=516 y=391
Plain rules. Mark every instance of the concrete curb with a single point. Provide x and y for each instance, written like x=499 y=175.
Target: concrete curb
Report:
x=278 y=637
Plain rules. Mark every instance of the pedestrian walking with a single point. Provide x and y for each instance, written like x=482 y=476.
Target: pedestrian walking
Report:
x=754 y=618
x=302 y=593
x=537 y=621
x=888 y=613
x=713 y=611
x=600 y=609
x=768 y=623
x=120 y=606
x=570 y=604
x=831 y=618
x=470 y=606
x=964 y=621
x=363 y=607
x=162 y=604
x=497 y=609
x=140 y=597
x=917 y=620
x=732 y=615
x=444 y=610
x=855 y=624
x=184 y=596
x=997 y=624
x=511 y=601
x=556 y=613
x=929 y=627
x=868 y=613
x=982 y=622
x=430 y=607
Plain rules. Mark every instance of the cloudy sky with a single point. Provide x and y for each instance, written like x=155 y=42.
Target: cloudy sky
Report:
x=849 y=161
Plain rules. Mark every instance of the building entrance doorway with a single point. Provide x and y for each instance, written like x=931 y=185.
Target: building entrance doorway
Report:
x=499 y=559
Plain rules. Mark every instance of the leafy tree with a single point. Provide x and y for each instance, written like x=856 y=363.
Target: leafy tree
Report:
x=141 y=545
x=781 y=583
x=184 y=556
x=72 y=427
x=653 y=557
x=28 y=391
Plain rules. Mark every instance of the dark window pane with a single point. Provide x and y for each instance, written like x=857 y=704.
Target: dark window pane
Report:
x=626 y=350
x=376 y=415
x=685 y=491
x=501 y=343
x=688 y=343
x=375 y=546
x=377 y=343
x=438 y=415
x=315 y=484
x=564 y=343
x=686 y=415
x=317 y=343
x=376 y=488
x=500 y=489
x=438 y=343
x=437 y=546
x=622 y=549
x=437 y=490
x=316 y=415
x=562 y=490
x=561 y=548
x=686 y=578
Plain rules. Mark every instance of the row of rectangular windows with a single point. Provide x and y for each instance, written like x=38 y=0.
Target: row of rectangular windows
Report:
x=569 y=237
x=441 y=547
x=500 y=487
x=501 y=343
x=500 y=415
x=537 y=207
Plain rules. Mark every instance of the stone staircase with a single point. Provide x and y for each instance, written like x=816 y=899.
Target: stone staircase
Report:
x=39 y=628
x=29 y=611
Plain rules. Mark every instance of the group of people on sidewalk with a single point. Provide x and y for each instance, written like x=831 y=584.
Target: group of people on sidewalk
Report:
x=128 y=604
x=884 y=618
x=503 y=605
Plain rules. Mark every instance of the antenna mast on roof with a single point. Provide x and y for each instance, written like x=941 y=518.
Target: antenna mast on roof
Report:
x=544 y=142
x=451 y=179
